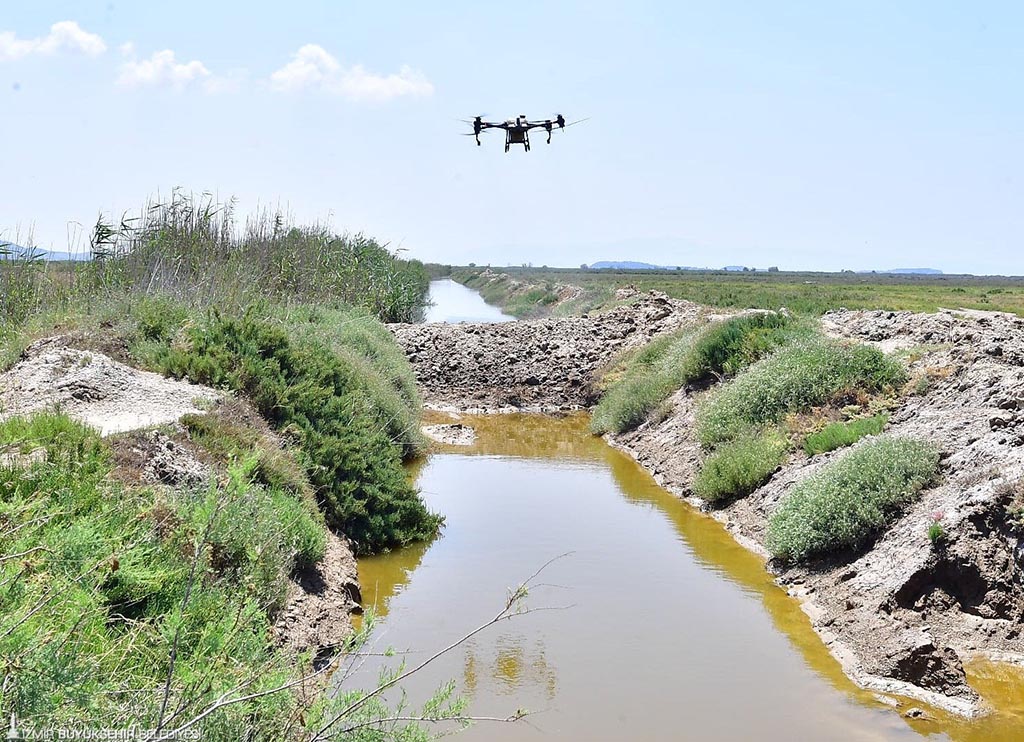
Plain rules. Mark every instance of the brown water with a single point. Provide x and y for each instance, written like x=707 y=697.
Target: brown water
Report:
x=675 y=631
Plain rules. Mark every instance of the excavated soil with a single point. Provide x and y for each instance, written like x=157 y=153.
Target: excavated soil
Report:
x=540 y=365
x=320 y=600
x=95 y=389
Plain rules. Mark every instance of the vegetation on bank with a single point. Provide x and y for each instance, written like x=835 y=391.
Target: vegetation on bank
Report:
x=807 y=373
x=110 y=576
x=288 y=316
x=527 y=300
x=347 y=417
x=737 y=468
x=128 y=604
x=688 y=356
x=851 y=499
x=842 y=434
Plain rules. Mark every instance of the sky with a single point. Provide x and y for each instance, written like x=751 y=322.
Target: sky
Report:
x=804 y=135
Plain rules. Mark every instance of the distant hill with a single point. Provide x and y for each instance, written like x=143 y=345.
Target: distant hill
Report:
x=627 y=265
x=632 y=265
x=921 y=271
x=12 y=251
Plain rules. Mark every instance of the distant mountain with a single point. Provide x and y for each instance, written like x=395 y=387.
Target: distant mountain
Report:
x=632 y=265
x=11 y=251
x=623 y=265
x=908 y=271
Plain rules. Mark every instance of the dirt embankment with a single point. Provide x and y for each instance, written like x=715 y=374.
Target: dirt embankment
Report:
x=538 y=365
x=529 y=300
x=141 y=411
x=903 y=615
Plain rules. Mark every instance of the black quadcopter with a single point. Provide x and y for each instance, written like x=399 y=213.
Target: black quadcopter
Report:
x=517 y=131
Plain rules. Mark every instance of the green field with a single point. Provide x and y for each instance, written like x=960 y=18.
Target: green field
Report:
x=803 y=293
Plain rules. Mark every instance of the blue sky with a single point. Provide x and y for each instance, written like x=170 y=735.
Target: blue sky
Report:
x=804 y=135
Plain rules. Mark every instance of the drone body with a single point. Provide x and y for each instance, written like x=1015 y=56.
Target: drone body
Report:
x=517 y=130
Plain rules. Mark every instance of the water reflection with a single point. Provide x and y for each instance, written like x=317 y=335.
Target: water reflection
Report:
x=511 y=662
x=452 y=302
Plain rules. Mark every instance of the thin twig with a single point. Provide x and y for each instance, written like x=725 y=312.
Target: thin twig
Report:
x=505 y=613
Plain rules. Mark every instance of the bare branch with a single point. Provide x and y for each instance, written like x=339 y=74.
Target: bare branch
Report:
x=515 y=596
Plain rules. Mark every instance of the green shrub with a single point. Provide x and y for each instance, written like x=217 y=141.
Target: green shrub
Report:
x=727 y=347
x=840 y=435
x=159 y=317
x=340 y=419
x=808 y=373
x=275 y=466
x=257 y=536
x=381 y=366
x=850 y=499
x=739 y=467
x=686 y=356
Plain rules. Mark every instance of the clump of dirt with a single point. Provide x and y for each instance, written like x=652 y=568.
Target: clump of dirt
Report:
x=539 y=365
x=320 y=600
x=153 y=457
x=450 y=434
x=95 y=389
x=903 y=614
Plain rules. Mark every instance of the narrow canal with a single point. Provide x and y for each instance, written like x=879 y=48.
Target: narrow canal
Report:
x=653 y=623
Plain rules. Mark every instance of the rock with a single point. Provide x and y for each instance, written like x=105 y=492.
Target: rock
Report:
x=999 y=421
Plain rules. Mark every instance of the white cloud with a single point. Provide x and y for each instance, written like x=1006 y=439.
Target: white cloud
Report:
x=314 y=67
x=162 y=68
x=63 y=36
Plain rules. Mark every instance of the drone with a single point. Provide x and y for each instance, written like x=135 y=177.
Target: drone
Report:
x=517 y=130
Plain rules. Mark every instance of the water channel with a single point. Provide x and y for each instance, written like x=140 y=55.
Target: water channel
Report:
x=654 y=624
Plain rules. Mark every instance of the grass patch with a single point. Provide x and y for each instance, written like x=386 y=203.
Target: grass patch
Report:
x=851 y=499
x=739 y=467
x=687 y=356
x=810 y=372
x=842 y=434
x=98 y=593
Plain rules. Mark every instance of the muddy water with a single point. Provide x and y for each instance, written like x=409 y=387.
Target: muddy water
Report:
x=453 y=302
x=666 y=628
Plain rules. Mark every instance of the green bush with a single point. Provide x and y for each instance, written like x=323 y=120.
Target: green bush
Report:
x=686 y=356
x=364 y=344
x=727 y=347
x=341 y=421
x=808 y=373
x=159 y=317
x=851 y=499
x=840 y=435
x=739 y=467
